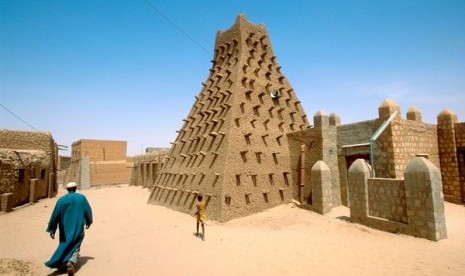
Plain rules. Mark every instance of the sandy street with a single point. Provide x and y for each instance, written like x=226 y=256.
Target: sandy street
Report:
x=129 y=237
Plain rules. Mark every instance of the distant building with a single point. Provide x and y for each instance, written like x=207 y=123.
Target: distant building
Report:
x=62 y=168
x=98 y=162
x=27 y=167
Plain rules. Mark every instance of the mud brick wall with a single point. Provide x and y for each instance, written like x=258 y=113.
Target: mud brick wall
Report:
x=146 y=168
x=27 y=140
x=100 y=150
x=387 y=199
x=320 y=144
x=7 y=178
x=107 y=173
x=26 y=155
x=107 y=163
x=233 y=146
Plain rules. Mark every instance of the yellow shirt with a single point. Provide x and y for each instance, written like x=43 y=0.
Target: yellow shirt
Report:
x=201 y=214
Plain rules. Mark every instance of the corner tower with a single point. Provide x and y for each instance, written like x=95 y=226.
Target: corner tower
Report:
x=232 y=147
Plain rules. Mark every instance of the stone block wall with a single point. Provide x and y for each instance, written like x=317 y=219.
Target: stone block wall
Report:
x=453 y=190
x=423 y=199
x=411 y=138
x=386 y=199
x=322 y=199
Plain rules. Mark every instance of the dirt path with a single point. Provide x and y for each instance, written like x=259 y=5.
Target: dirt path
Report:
x=129 y=237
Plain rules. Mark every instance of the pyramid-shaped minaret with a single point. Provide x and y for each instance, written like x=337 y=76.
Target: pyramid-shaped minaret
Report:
x=232 y=147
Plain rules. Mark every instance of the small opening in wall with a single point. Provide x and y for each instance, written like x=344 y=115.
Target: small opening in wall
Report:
x=237 y=121
x=217 y=176
x=251 y=84
x=42 y=174
x=247 y=138
x=270 y=111
x=244 y=155
x=254 y=179
x=20 y=175
x=247 y=199
x=227 y=200
x=275 y=158
x=265 y=124
x=281 y=194
x=247 y=95
x=291 y=114
x=280 y=113
x=244 y=81
x=265 y=197
x=242 y=107
x=33 y=172
x=252 y=122
x=256 y=110
x=270 y=178
x=258 y=155
x=286 y=178
x=238 y=180
x=278 y=139
x=264 y=139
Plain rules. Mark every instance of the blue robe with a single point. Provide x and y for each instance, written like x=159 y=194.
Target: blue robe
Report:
x=72 y=212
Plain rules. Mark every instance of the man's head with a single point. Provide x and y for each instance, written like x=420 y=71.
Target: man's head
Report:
x=71 y=187
x=199 y=197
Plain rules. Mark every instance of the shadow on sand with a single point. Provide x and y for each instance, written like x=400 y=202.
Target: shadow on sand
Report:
x=81 y=262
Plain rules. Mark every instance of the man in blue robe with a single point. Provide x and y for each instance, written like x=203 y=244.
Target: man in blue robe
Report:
x=72 y=212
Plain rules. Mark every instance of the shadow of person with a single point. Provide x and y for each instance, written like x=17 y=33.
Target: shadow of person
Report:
x=82 y=261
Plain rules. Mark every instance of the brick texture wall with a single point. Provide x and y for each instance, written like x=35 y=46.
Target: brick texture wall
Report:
x=108 y=163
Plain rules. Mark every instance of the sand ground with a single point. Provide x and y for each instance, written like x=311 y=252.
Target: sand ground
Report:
x=130 y=237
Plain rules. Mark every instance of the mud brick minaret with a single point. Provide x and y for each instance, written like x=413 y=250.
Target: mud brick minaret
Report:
x=232 y=147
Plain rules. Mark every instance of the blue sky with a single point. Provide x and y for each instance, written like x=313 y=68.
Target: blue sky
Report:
x=94 y=69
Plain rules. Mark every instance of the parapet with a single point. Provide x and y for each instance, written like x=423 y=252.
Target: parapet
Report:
x=334 y=119
x=388 y=107
x=320 y=119
x=414 y=114
x=447 y=116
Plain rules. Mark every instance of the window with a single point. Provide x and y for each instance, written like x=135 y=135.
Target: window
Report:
x=20 y=175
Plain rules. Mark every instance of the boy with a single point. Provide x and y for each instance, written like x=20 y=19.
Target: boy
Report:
x=201 y=216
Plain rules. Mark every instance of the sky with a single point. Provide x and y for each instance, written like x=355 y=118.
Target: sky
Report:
x=130 y=69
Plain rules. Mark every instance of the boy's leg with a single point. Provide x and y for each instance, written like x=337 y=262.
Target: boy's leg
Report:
x=197 y=228
x=203 y=231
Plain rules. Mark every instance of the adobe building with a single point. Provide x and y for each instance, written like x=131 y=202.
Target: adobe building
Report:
x=233 y=145
x=62 y=169
x=98 y=162
x=27 y=167
x=146 y=167
x=246 y=145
